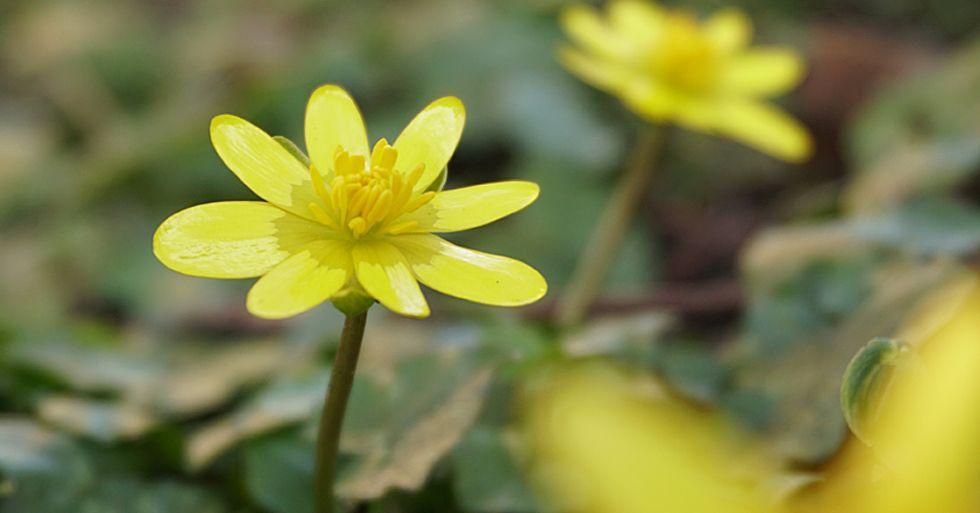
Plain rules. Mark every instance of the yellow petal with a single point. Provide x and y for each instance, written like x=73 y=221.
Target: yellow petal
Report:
x=729 y=29
x=924 y=462
x=659 y=102
x=469 y=274
x=431 y=139
x=762 y=72
x=584 y=26
x=640 y=21
x=469 y=207
x=302 y=281
x=765 y=128
x=332 y=120
x=232 y=239
x=262 y=164
x=606 y=442
x=385 y=274
x=603 y=73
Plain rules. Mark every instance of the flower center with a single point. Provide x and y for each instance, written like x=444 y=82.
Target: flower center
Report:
x=367 y=197
x=685 y=58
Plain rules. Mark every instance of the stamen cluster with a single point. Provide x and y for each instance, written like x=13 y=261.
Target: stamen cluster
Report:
x=689 y=60
x=366 y=198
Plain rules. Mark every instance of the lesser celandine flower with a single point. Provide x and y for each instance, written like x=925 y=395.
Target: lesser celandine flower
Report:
x=351 y=224
x=356 y=220
x=668 y=67
x=671 y=69
x=601 y=444
x=925 y=435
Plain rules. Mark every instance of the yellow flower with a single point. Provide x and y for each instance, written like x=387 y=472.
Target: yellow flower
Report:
x=604 y=443
x=667 y=67
x=354 y=221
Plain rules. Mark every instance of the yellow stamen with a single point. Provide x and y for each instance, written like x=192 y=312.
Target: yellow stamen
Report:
x=358 y=226
x=380 y=208
x=365 y=198
x=416 y=203
x=402 y=227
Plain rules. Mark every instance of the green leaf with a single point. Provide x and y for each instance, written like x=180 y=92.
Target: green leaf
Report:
x=919 y=136
x=800 y=403
x=102 y=420
x=286 y=401
x=172 y=379
x=417 y=395
x=626 y=337
x=925 y=227
x=34 y=461
x=128 y=495
x=279 y=473
x=487 y=476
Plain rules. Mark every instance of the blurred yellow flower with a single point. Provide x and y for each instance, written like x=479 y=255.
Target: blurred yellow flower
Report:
x=601 y=445
x=668 y=67
x=926 y=435
x=353 y=221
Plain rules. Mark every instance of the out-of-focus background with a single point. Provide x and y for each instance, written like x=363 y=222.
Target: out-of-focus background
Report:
x=746 y=285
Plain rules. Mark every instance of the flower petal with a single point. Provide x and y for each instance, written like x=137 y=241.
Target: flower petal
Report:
x=764 y=127
x=385 y=274
x=302 y=281
x=659 y=102
x=469 y=207
x=587 y=29
x=431 y=139
x=762 y=72
x=640 y=21
x=729 y=29
x=469 y=274
x=231 y=239
x=332 y=120
x=262 y=164
x=603 y=73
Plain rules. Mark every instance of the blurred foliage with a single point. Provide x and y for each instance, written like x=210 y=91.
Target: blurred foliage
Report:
x=132 y=389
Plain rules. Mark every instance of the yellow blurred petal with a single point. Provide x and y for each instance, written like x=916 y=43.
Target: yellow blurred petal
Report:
x=302 y=281
x=384 y=273
x=469 y=274
x=332 y=120
x=602 y=73
x=639 y=21
x=659 y=103
x=584 y=26
x=469 y=207
x=928 y=435
x=431 y=139
x=232 y=239
x=763 y=127
x=762 y=72
x=603 y=445
x=729 y=29
x=262 y=164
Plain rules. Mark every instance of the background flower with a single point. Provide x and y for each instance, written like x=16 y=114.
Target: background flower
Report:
x=668 y=67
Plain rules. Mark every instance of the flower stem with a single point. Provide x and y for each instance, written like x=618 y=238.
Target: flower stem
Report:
x=328 y=436
x=607 y=237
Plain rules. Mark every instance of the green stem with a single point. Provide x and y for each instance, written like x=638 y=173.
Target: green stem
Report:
x=332 y=418
x=607 y=237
